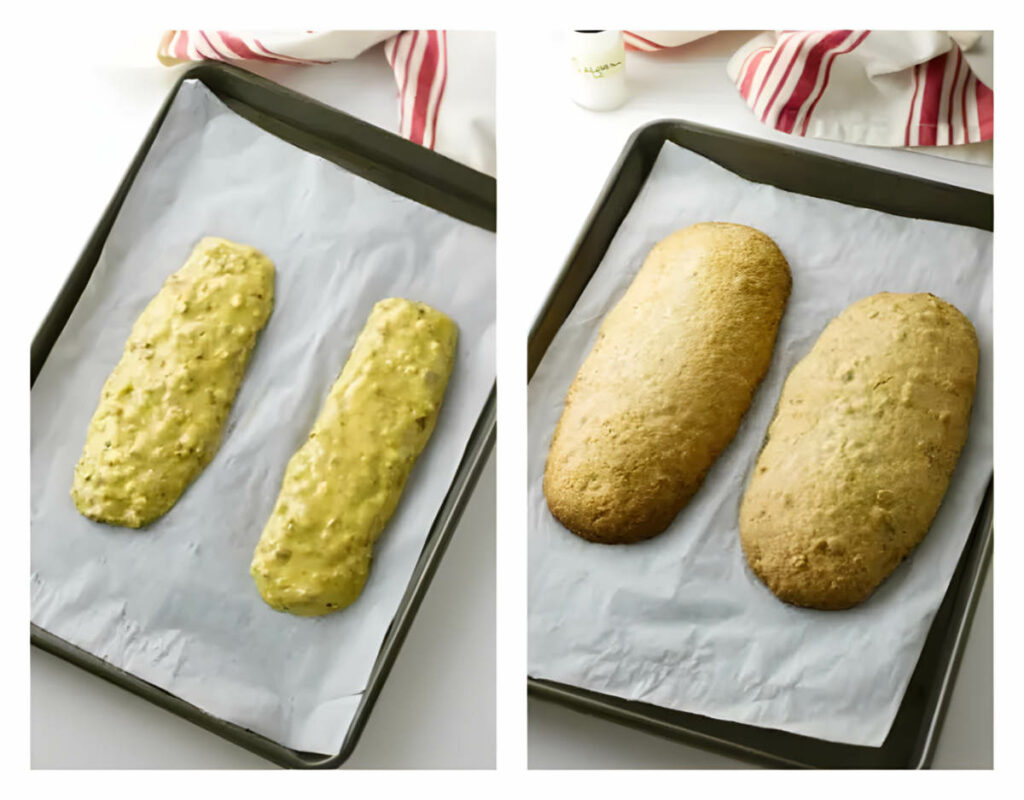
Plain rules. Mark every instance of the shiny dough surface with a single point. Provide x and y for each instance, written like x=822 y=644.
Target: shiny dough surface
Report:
x=342 y=486
x=163 y=408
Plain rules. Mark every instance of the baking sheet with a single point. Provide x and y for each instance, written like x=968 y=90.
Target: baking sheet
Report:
x=679 y=620
x=174 y=604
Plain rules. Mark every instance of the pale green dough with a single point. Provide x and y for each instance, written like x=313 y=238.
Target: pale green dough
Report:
x=342 y=486
x=163 y=407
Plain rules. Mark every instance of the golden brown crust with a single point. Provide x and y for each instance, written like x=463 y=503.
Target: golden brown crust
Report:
x=667 y=382
x=868 y=429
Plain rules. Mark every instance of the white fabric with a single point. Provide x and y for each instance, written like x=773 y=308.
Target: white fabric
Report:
x=881 y=88
x=466 y=120
x=659 y=40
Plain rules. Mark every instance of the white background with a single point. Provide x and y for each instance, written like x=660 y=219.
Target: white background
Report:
x=42 y=169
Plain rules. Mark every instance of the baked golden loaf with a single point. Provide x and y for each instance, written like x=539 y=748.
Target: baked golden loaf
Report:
x=667 y=382
x=868 y=429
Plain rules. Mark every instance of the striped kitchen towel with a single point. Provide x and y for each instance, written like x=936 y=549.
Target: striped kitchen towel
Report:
x=420 y=62
x=445 y=80
x=652 y=41
x=883 y=88
x=301 y=47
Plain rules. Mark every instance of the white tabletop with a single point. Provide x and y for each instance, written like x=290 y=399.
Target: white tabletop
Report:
x=436 y=709
x=573 y=151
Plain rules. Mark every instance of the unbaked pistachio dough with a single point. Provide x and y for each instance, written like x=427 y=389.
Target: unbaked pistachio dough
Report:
x=163 y=408
x=342 y=486
x=866 y=435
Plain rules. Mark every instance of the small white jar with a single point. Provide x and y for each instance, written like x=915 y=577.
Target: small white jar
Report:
x=597 y=60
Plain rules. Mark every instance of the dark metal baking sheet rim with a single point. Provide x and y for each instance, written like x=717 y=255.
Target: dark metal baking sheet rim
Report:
x=390 y=161
x=911 y=742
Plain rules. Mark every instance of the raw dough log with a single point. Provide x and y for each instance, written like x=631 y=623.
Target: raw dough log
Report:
x=342 y=486
x=163 y=408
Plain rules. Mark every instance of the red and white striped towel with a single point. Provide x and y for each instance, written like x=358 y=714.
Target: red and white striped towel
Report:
x=420 y=62
x=883 y=88
x=445 y=80
x=297 y=48
x=652 y=41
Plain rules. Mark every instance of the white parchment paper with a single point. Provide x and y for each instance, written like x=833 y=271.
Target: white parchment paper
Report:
x=174 y=604
x=680 y=621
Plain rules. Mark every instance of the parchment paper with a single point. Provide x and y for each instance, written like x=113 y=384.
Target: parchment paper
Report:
x=174 y=603
x=680 y=621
